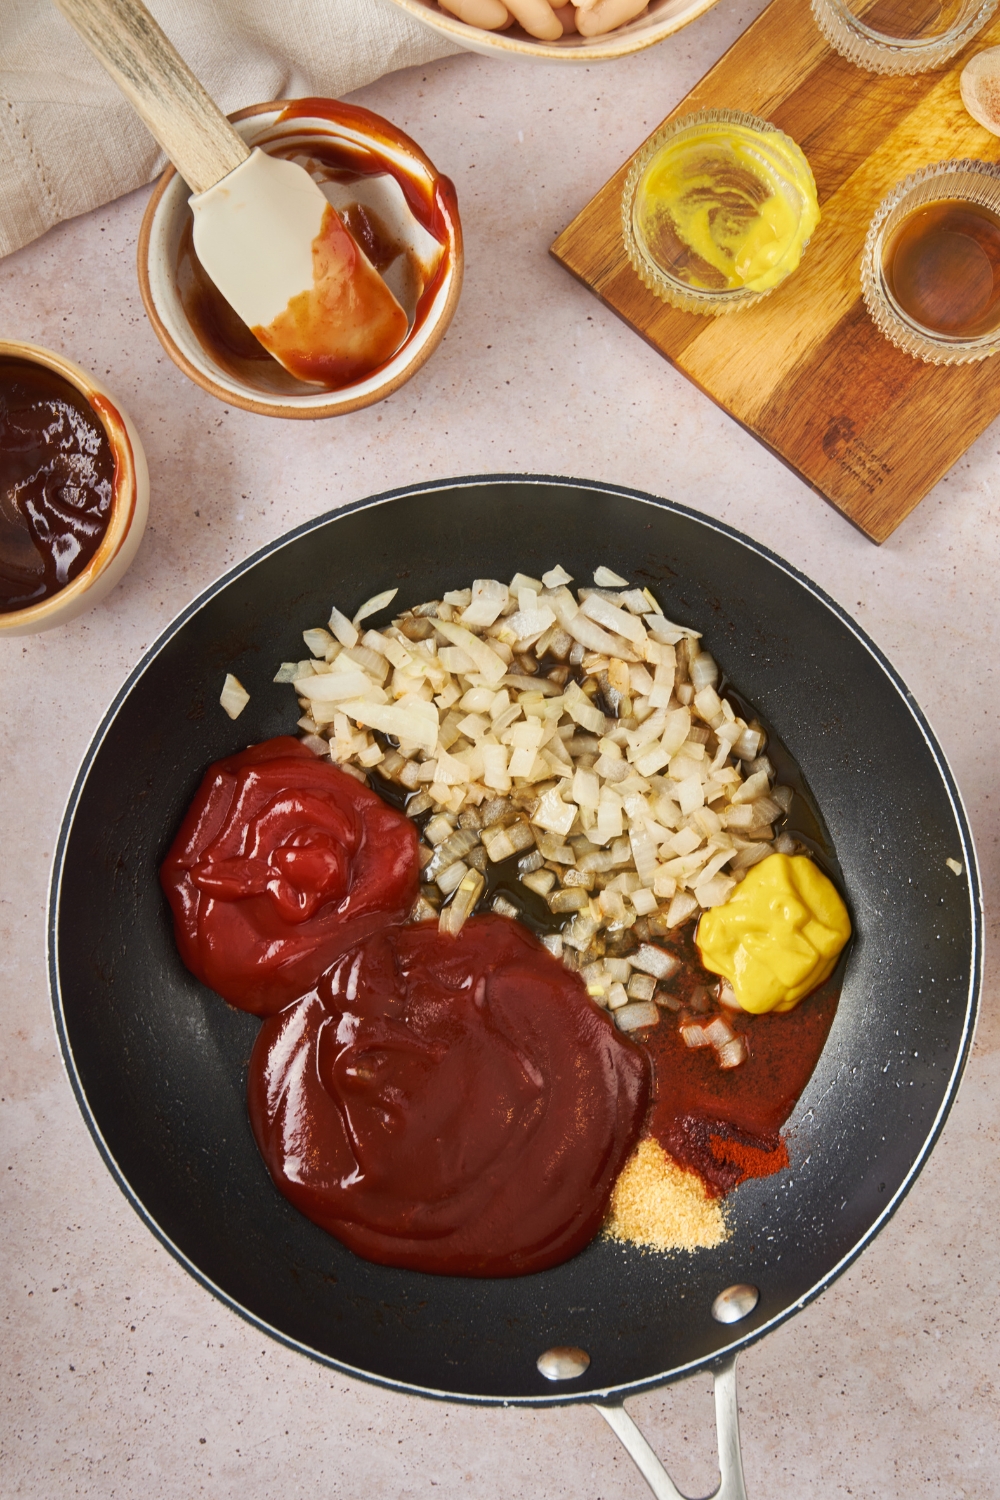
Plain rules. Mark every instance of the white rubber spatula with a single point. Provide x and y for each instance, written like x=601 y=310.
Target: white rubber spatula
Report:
x=278 y=252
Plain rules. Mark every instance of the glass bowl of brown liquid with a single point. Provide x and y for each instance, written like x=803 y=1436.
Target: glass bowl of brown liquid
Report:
x=930 y=272
x=900 y=36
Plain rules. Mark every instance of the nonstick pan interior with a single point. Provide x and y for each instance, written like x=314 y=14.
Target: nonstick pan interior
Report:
x=158 y=1062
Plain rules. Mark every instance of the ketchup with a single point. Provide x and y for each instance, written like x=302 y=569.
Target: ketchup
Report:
x=282 y=862
x=453 y=1105
x=57 y=474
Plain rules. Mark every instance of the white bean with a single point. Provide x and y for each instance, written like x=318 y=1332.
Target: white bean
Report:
x=567 y=15
x=537 y=18
x=489 y=15
x=605 y=15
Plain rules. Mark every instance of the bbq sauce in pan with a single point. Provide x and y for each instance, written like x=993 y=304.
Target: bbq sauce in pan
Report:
x=723 y=1124
x=57 y=474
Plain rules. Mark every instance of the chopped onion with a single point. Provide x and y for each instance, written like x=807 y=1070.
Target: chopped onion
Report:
x=573 y=898
x=755 y=786
x=530 y=685
x=374 y=604
x=489 y=600
x=643 y=853
x=342 y=628
x=605 y=579
x=423 y=911
x=450 y=879
x=455 y=915
x=335 y=687
x=554 y=814
x=655 y=961
x=748 y=745
x=234 y=696
x=319 y=642
x=614 y=619
x=634 y=1017
x=733 y=1053
x=487 y=662
x=417 y=723
x=727 y=996
x=681 y=907
x=704 y=672
x=590 y=635
x=539 y=881
x=289 y=671
x=718 y=1031
x=714 y=892
x=693 y=1034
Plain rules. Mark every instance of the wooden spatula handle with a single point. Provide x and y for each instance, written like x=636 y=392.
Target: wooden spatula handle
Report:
x=160 y=86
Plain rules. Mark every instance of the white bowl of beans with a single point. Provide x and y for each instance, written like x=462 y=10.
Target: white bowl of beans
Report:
x=586 y=32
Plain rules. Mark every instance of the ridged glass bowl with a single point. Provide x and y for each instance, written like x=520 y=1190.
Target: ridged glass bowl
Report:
x=893 y=41
x=948 y=181
x=671 y=288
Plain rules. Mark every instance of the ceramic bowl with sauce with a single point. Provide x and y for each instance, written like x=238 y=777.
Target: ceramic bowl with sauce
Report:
x=930 y=271
x=74 y=489
x=398 y=206
x=660 y=19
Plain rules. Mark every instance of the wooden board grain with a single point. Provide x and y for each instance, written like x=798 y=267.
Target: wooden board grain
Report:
x=806 y=370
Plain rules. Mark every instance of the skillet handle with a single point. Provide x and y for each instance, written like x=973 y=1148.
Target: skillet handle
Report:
x=727 y=1423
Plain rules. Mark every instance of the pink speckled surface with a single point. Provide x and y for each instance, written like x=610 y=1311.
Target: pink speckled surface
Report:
x=120 y=1376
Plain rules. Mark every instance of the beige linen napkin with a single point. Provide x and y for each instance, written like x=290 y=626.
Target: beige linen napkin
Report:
x=68 y=139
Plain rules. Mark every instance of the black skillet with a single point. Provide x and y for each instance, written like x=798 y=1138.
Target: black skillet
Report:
x=158 y=1062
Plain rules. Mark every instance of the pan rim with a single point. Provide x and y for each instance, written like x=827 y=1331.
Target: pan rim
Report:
x=610 y=1394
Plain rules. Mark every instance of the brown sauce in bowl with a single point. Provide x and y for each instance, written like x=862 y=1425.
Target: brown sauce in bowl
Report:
x=224 y=336
x=943 y=268
x=57 y=476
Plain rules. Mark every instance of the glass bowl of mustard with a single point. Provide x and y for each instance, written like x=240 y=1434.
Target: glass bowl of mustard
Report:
x=930 y=270
x=717 y=209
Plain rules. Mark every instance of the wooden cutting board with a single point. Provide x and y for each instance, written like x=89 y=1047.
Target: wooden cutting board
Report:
x=806 y=370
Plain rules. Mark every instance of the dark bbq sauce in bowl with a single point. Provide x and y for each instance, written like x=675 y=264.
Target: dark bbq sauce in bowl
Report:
x=57 y=473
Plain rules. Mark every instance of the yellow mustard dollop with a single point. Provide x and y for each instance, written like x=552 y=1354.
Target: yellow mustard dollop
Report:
x=722 y=205
x=778 y=936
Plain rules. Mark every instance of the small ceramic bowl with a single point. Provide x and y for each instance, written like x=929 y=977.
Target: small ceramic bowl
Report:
x=851 y=27
x=129 y=504
x=661 y=19
x=379 y=168
x=973 y=182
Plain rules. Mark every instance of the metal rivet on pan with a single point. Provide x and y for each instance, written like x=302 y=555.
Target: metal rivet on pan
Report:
x=735 y=1303
x=563 y=1363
